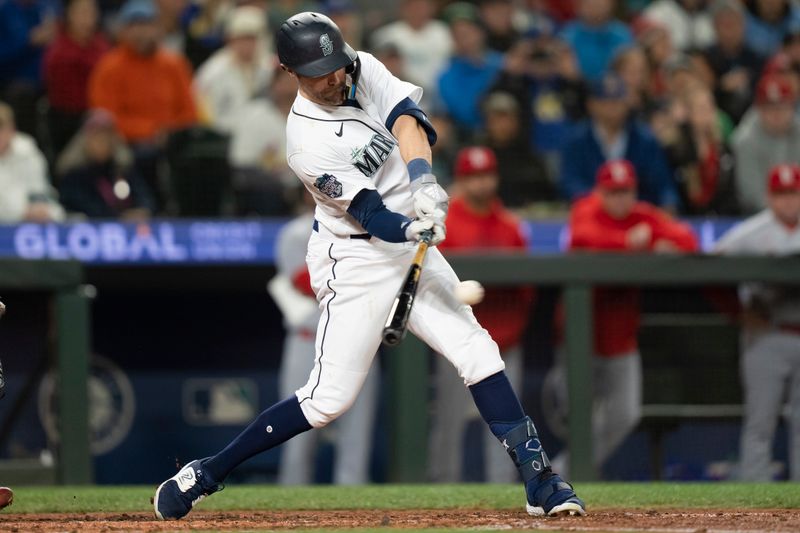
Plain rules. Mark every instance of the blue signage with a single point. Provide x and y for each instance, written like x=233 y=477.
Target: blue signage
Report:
x=215 y=241
x=157 y=242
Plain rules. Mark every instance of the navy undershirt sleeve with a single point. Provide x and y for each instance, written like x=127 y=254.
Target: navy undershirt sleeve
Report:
x=407 y=106
x=367 y=207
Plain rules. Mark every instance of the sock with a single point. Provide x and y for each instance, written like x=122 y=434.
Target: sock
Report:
x=500 y=408
x=274 y=426
x=496 y=401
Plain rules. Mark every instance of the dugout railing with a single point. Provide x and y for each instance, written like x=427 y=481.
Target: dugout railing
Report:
x=577 y=274
x=64 y=281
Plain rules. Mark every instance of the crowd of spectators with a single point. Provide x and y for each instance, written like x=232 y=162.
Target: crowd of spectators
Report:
x=700 y=96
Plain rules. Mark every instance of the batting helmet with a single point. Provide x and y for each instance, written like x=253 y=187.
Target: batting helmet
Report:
x=312 y=45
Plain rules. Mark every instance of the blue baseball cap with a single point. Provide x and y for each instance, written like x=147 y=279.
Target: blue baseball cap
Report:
x=137 y=11
x=609 y=87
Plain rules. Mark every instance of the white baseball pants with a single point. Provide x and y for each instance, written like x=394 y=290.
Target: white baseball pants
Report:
x=356 y=282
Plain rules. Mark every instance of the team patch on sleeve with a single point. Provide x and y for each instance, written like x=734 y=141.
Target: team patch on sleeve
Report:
x=329 y=185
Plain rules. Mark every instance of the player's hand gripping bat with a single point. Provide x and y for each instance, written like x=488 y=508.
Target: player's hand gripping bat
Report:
x=397 y=322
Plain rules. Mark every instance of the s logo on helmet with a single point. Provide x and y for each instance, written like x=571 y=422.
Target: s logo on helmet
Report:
x=326 y=44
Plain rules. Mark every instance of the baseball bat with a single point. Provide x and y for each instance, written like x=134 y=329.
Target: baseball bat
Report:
x=397 y=322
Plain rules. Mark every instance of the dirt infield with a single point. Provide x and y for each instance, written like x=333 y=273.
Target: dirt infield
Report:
x=706 y=521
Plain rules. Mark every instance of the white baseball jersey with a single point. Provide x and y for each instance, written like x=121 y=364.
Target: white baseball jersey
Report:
x=764 y=234
x=339 y=150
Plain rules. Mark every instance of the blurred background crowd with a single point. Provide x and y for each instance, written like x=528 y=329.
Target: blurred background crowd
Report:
x=177 y=107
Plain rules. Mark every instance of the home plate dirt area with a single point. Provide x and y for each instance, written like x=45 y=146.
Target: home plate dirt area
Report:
x=695 y=520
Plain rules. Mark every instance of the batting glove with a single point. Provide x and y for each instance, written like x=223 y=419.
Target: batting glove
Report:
x=430 y=200
x=416 y=229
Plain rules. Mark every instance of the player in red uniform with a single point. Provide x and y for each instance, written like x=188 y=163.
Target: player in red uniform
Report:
x=477 y=220
x=610 y=219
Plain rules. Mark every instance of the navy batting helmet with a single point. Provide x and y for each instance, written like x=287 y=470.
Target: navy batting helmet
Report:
x=312 y=45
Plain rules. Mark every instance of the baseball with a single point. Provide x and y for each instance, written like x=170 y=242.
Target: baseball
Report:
x=469 y=292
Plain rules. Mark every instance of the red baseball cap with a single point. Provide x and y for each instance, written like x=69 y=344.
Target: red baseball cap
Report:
x=784 y=177
x=475 y=160
x=616 y=175
x=774 y=89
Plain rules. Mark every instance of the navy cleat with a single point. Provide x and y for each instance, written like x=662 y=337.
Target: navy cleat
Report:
x=550 y=495
x=176 y=496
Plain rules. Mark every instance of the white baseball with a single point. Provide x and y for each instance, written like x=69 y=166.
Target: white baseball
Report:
x=469 y=292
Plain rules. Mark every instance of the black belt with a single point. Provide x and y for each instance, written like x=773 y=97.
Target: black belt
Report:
x=363 y=236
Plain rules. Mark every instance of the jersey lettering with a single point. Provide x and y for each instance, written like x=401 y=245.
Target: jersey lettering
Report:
x=368 y=159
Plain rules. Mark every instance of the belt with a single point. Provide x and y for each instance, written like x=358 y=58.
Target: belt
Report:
x=790 y=328
x=363 y=236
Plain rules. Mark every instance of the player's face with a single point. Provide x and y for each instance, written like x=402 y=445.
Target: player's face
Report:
x=786 y=206
x=324 y=90
x=618 y=203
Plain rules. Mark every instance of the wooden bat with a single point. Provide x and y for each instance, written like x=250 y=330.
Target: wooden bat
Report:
x=397 y=322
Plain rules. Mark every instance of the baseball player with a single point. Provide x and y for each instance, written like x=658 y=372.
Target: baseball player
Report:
x=609 y=220
x=291 y=290
x=361 y=145
x=770 y=364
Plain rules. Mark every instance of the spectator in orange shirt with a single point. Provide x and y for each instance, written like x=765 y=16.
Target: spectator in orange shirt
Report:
x=612 y=220
x=146 y=88
x=477 y=220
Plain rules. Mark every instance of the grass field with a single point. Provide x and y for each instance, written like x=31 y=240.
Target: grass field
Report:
x=613 y=507
x=472 y=496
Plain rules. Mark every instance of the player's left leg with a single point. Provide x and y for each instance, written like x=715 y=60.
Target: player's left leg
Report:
x=450 y=328
x=498 y=467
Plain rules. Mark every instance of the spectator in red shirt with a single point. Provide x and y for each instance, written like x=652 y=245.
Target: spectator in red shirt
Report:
x=477 y=220
x=612 y=220
x=68 y=63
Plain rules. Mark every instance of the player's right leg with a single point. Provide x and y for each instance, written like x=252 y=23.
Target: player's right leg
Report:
x=177 y=496
x=355 y=285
